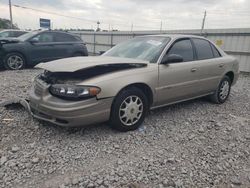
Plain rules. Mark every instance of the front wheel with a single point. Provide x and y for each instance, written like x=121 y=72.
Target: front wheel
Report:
x=14 y=61
x=129 y=110
x=222 y=92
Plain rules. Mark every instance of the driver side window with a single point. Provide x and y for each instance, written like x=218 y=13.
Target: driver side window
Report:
x=183 y=48
x=44 y=37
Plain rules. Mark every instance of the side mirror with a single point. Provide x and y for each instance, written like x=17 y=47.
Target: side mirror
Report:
x=172 y=58
x=34 y=40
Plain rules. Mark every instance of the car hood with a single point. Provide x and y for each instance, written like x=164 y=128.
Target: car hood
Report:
x=74 y=64
x=9 y=40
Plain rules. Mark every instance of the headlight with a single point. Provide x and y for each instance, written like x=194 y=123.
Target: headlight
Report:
x=74 y=91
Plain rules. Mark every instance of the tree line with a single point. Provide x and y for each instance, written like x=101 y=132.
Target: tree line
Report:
x=6 y=24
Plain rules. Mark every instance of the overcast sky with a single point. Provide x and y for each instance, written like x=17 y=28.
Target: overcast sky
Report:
x=121 y=14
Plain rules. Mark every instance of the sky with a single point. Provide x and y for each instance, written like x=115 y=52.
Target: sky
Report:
x=130 y=14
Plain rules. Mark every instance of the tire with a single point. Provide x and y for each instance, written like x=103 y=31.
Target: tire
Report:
x=222 y=92
x=14 y=61
x=131 y=106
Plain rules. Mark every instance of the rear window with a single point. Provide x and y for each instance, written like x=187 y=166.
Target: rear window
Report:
x=215 y=51
x=61 y=37
x=203 y=49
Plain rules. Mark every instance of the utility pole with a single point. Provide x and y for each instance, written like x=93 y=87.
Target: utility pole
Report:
x=98 y=26
x=132 y=27
x=203 y=21
x=11 y=20
x=161 y=27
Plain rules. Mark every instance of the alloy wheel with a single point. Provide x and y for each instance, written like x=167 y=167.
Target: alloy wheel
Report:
x=15 y=62
x=131 y=110
x=224 y=90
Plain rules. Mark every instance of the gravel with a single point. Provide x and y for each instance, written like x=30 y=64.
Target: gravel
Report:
x=192 y=144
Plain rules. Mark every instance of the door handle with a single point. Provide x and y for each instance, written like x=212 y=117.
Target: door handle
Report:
x=221 y=65
x=193 y=69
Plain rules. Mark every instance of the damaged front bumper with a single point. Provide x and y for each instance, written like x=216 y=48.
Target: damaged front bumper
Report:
x=66 y=113
x=16 y=101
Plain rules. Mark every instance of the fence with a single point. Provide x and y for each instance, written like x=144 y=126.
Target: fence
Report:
x=235 y=42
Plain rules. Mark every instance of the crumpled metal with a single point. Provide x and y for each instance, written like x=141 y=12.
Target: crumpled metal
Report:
x=16 y=101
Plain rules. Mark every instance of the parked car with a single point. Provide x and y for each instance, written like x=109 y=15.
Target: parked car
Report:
x=11 y=33
x=40 y=46
x=125 y=82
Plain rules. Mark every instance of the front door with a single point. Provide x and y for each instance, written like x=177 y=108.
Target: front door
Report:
x=178 y=81
x=42 y=47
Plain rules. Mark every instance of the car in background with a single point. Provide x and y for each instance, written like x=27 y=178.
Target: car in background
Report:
x=11 y=33
x=40 y=46
x=125 y=82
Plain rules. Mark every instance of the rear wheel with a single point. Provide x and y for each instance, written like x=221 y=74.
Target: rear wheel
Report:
x=14 y=61
x=222 y=92
x=129 y=110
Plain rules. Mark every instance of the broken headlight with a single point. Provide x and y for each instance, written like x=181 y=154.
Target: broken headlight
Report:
x=74 y=91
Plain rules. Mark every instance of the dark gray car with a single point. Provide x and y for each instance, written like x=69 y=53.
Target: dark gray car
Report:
x=39 y=46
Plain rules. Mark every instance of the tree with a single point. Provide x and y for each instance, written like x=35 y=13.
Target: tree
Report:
x=6 y=24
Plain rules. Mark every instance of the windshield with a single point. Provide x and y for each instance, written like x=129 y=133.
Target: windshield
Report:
x=4 y=34
x=146 y=48
x=27 y=35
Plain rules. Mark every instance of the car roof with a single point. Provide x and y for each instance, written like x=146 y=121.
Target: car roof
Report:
x=180 y=36
x=174 y=36
x=13 y=30
x=53 y=31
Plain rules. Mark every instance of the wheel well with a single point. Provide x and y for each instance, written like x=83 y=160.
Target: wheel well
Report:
x=25 y=58
x=145 y=89
x=231 y=76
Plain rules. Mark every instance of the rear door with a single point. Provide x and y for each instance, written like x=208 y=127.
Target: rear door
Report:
x=64 y=44
x=177 y=81
x=208 y=64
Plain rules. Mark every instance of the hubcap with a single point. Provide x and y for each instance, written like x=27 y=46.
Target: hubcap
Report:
x=224 y=90
x=131 y=110
x=15 y=62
